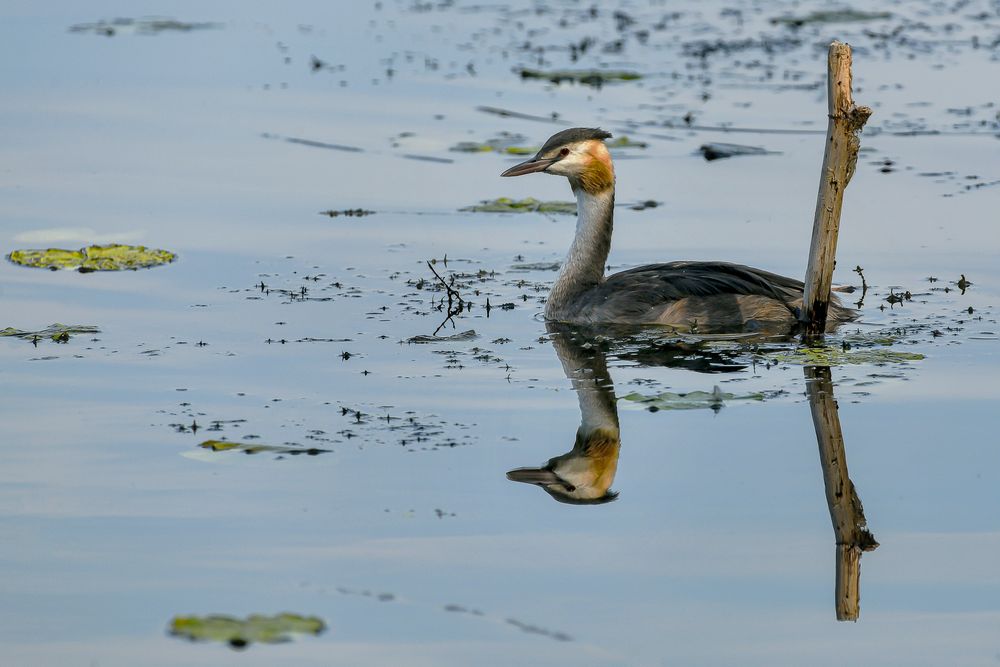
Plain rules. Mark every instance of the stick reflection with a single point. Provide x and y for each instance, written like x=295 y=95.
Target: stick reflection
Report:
x=848 y=516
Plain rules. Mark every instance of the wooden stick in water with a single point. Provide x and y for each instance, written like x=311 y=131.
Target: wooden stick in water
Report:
x=839 y=160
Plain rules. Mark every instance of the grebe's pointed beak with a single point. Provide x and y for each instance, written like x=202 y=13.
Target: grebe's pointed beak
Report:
x=530 y=167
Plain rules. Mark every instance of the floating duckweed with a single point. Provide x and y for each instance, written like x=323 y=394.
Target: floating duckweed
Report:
x=113 y=257
x=529 y=205
x=240 y=633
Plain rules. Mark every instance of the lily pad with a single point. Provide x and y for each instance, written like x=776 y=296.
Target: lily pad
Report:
x=259 y=448
x=112 y=257
x=830 y=16
x=529 y=205
x=240 y=633
x=587 y=77
x=693 y=400
x=60 y=333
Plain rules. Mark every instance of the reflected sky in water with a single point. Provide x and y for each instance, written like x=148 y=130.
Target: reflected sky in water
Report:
x=408 y=539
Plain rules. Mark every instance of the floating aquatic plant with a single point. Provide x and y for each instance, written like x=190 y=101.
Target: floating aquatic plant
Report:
x=528 y=205
x=257 y=448
x=836 y=356
x=240 y=633
x=692 y=400
x=59 y=333
x=461 y=336
x=112 y=257
x=504 y=142
x=624 y=141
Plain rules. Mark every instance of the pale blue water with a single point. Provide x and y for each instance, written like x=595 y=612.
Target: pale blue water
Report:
x=719 y=549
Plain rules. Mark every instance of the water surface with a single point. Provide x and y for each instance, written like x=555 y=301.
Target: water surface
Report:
x=283 y=327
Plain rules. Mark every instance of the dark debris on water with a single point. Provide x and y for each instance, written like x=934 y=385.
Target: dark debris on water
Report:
x=347 y=212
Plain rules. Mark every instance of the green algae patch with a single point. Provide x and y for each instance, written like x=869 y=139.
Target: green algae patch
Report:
x=59 y=333
x=529 y=205
x=830 y=16
x=112 y=257
x=240 y=633
x=835 y=356
x=587 y=77
x=692 y=400
x=259 y=448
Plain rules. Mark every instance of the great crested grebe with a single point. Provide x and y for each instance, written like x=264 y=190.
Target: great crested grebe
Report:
x=688 y=296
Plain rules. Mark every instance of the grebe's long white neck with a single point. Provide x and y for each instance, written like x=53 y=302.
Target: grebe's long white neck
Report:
x=584 y=265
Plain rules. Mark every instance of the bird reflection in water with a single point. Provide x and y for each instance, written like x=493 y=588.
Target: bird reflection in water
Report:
x=584 y=475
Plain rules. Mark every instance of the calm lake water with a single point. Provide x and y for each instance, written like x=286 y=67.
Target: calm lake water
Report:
x=385 y=509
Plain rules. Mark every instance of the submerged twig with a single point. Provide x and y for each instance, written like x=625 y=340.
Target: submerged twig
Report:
x=452 y=292
x=456 y=304
x=864 y=285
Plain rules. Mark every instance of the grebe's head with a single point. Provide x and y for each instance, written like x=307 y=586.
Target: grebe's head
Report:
x=579 y=154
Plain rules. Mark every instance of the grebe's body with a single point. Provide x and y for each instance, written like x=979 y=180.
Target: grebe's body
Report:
x=689 y=296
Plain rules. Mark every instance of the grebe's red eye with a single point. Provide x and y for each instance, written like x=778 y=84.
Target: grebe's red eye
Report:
x=564 y=152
